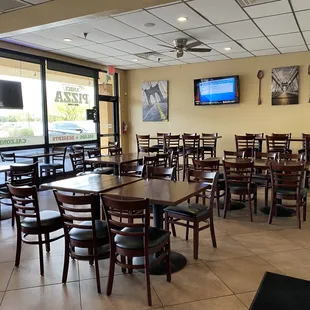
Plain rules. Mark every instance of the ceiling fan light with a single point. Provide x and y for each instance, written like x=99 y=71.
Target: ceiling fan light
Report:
x=182 y=19
x=227 y=48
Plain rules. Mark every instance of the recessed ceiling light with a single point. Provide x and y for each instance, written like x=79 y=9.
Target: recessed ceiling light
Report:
x=149 y=25
x=135 y=60
x=182 y=19
x=227 y=48
x=67 y=39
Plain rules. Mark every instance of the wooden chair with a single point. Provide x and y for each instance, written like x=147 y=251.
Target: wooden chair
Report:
x=171 y=143
x=160 y=173
x=238 y=181
x=95 y=153
x=131 y=236
x=303 y=150
x=246 y=144
x=143 y=143
x=284 y=135
x=287 y=183
x=8 y=157
x=115 y=151
x=258 y=141
x=82 y=231
x=57 y=166
x=278 y=144
x=150 y=160
x=191 y=149
x=174 y=162
x=160 y=141
x=25 y=175
x=233 y=154
x=132 y=170
x=212 y=165
x=195 y=212
x=32 y=222
x=262 y=178
x=292 y=157
x=162 y=160
x=77 y=148
x=209 y=141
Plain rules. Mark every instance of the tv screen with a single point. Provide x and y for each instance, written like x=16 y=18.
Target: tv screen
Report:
x=11 y=96
x=214 y=91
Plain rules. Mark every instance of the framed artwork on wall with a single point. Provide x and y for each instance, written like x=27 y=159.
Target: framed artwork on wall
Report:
x=155 y=101
x=285 y=85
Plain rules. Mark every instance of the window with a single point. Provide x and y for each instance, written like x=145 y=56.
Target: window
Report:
x=68 y=98
x=22 y=127
x=106 y=84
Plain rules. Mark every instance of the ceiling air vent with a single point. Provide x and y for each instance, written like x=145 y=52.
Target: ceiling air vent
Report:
x=8 y=5
x=245 y=3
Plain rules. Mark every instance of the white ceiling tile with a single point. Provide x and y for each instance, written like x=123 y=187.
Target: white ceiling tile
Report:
x=22 y=43
x=82 y=52
x=240 y=55
x=219 y=11
x=169 y=37
x=235 y=48
x=303 y=18
x=130 y=58
x=139 y=19
x=116 y=28
x=256 y=44
x=173 y=62
x=194 y=60
x=113 y=61
x=217 y=57
x=105 y=50
x=186 y=55
x=290 y=39
x=241 y=30
x=271 y=51
x=128 y=47
x=279 y=24
x=134 y=67
x=307 y=36
x=162 y=5
x=208 y=35
x=267 y=9
x=293 y=49
x=299 y=5
x=171 y=13
x=126 y=12
x=37 y=40
x=148 y=42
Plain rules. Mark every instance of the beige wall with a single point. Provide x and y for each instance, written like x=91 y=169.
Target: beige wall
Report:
x=227 y=120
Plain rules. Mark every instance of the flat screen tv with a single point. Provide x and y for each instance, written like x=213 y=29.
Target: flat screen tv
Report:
x=11 y=96
x=215 y=91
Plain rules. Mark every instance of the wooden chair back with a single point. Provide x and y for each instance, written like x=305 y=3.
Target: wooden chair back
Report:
x=8 y=157
x=171 y=143
x=162 y=160
x=307 y=148
x=209 y=139
x=61 y=157
x=161 y=173
x=206 y=165
x=266 y=155
x=233 y=154
x=257 y=137
x=292 y=157
x=94 y=153
x=304 y=136
x=115 y=151
x=277 y=143
x=132 y=170
x=191 y=145
x=143 y=143
x=150 y=160
x=160 y=138
x=77 y=148
x=283 y=135
x=24 y=175
x=245 y=143
x=77 y=161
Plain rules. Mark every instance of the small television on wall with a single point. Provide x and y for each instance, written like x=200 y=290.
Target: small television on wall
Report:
x=11 y=96
x=218 y=90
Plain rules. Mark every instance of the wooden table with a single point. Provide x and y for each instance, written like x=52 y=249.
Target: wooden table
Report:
x=91 y=184
x=35 y=157
x=160 y=193
x=118 y=159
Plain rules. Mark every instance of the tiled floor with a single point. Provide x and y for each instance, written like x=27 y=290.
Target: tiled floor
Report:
x=225 y=278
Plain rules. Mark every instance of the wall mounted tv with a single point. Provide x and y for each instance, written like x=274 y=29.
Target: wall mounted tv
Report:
x=11 y=96
x=218 y=90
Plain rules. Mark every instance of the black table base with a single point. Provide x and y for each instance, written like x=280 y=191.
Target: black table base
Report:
x=178 y=262
x=235 y=205
x=281 y=211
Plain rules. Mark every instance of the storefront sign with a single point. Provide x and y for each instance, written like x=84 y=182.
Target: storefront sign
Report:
x=73 y=138
x=72 y=94
x=20 y=141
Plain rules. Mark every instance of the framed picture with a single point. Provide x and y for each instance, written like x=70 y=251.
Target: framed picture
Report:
x=285 y=85
x=155 y=101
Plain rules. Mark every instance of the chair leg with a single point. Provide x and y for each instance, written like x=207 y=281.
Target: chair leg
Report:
x=218 y=202
x=41 y=255
x=123 y=260
x=147 y=279
x=174 y=234
x=168 y=262
x=13 y=217
x=226 y=202
x=212 y=231
x=97 y=271
x=187 y=230
x=298 y=215
x=266 y=194
x=196 y=239
x=250 y=207
x=272 y=210
x=304 y=213
x=47 y=243
x=18 y=248
x=255 y=203
x=66 y=264
x=111 y=272
x=129 y=259
x=91 y=253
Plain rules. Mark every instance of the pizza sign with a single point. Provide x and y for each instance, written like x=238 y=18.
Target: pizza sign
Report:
x=72 y=95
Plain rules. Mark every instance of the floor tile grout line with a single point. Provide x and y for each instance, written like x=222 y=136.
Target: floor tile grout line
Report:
x=162 y=305
x=241 y=300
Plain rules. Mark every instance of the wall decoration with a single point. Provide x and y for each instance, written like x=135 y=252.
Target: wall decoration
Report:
x=155 y=101
x=285 y=85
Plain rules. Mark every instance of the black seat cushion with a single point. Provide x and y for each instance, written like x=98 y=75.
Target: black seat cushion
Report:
x=51 y=165
x=105 y=170
x=192 y=210
x=4 y=192
x=47 y=218
x=235 y=187
x=156 y=237
x=287 y=192
x=81 y=234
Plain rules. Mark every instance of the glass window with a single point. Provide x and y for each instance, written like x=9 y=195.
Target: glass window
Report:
x=21 y=127
x=68 y=98
x=106 y=84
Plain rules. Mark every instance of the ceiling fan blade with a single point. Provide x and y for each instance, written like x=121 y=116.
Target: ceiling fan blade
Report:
x=193 y=44
x=199 y=50
x=180 y=54
x=166 y=46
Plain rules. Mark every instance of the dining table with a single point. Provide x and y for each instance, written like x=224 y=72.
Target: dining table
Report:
x=35 y=156
x=161 y=193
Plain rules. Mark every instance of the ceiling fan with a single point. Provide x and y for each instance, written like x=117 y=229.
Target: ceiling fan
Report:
x=181 y=46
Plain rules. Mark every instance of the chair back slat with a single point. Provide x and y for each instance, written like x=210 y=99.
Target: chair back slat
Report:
x=258 y=137
x=8 y=157
x=77 y=148
x=143 y=143
x=77 y=161
x=191 y=141
x=59 y=157
x=133 y=170
x=266 y=155
x=278 y=143
x=161 y=137
x=161 y=173
x=292 y=157
x=149 y=161
x=245 y=143
x=238 y=173
x=24 y=175
x=115 y=151
x=233 y=154
x=162 y=160
x=209 y=139
x=206 y=165
x=171 y=143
